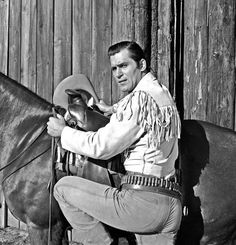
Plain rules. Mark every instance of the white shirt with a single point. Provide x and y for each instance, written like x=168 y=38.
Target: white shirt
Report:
x=146 y=126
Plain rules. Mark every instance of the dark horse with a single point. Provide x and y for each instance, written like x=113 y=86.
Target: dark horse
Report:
x=207 y=160
x=25 y=144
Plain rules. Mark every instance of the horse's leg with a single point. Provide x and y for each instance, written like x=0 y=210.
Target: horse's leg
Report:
x=39 y=236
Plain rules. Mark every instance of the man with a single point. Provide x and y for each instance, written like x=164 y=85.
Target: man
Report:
x=146 y=126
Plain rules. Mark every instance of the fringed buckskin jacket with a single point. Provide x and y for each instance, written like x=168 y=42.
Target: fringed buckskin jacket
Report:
x=145 y=126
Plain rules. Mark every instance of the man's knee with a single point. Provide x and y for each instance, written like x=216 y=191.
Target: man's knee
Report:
x=59 y=188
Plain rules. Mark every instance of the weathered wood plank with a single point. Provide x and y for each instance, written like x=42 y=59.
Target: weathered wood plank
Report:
x=62 y=40
x=4 y=211
x=4 y=22
x=221 y=68
x=45 y=49
x=101 y=40
x=13 y=222
x=164 y=39
x=28 y=44
x=82 y=37
x=142 y=25
x=195 y=59
x=173 y=49
x=14 y=58
x=154 y=37
x=122 y=21
x=209 y=73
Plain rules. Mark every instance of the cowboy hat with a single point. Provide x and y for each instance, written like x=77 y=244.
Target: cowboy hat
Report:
x=72 y=85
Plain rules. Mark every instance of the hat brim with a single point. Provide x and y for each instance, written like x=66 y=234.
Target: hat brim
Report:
x=76 y=81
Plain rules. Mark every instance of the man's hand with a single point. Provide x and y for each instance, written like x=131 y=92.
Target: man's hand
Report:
x=56 y=125
x=107 y=109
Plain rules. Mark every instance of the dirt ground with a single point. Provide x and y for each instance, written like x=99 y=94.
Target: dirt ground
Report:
x=14 y=236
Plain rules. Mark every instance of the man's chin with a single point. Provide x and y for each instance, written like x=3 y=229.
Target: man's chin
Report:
x=123 y=87
x=124 y=90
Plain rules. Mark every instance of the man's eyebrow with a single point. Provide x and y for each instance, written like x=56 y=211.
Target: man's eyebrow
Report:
x=122 y=63
x=119 y=64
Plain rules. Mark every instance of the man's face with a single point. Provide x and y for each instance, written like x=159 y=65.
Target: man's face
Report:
x=125 y=71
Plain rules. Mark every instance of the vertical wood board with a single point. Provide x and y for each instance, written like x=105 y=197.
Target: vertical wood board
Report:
x=4 y=25
x=62 y=40
x=14 y=40
x=82 y=37
x=142 y=24
x=164 y=39
x=196 y=60
x=28 y=44
x=221 y=67
x=154 y=38
x=101 y=40
x=45 y=49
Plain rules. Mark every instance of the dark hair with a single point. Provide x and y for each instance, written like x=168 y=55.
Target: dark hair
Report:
x=135 y=51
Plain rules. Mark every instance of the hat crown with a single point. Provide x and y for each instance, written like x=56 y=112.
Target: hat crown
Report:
x=68 y=91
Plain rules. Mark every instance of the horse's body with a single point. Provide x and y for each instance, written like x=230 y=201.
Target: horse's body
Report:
x=208 y=162
x=23 y=118
x=207 y=155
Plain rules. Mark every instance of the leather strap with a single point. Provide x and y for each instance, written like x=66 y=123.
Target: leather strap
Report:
x=155 y=189
x=141 y=182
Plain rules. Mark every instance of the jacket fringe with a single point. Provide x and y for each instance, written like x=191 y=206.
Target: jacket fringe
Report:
x=160 y=122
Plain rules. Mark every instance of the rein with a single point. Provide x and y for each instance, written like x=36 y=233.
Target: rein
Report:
x=21 y=153
x=51 y=182
x=26 y=164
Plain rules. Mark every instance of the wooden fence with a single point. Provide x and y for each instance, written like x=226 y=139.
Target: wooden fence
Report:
x=190 y=45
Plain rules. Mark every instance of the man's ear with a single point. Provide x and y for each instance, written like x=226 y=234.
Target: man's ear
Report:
x=143 y=64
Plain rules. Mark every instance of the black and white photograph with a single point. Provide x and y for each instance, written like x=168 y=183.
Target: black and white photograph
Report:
x=117 y=122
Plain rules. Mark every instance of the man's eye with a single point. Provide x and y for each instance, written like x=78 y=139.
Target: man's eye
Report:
x=113 y=68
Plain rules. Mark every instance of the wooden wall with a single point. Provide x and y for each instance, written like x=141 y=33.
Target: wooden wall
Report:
x=42 y=42
x=209 y=61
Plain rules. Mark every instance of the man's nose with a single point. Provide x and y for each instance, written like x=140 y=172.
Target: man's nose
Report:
x=118 y=72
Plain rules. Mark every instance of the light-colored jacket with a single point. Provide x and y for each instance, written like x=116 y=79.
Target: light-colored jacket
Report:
x=146 y=126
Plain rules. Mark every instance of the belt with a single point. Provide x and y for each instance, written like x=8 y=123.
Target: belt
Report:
x=142 y=182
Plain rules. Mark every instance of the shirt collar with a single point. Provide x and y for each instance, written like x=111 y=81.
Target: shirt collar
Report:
x=143 y=82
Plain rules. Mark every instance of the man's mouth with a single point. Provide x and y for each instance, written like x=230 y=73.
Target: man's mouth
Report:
x=122 y=81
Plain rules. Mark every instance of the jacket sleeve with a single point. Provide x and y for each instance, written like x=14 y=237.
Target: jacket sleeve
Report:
x=120 y=133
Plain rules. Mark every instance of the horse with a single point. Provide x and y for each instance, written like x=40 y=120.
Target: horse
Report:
x=208 y=164
x=25 y=158
x=206 y=159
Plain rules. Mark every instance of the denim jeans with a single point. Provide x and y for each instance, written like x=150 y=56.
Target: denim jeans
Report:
x=153 y=217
